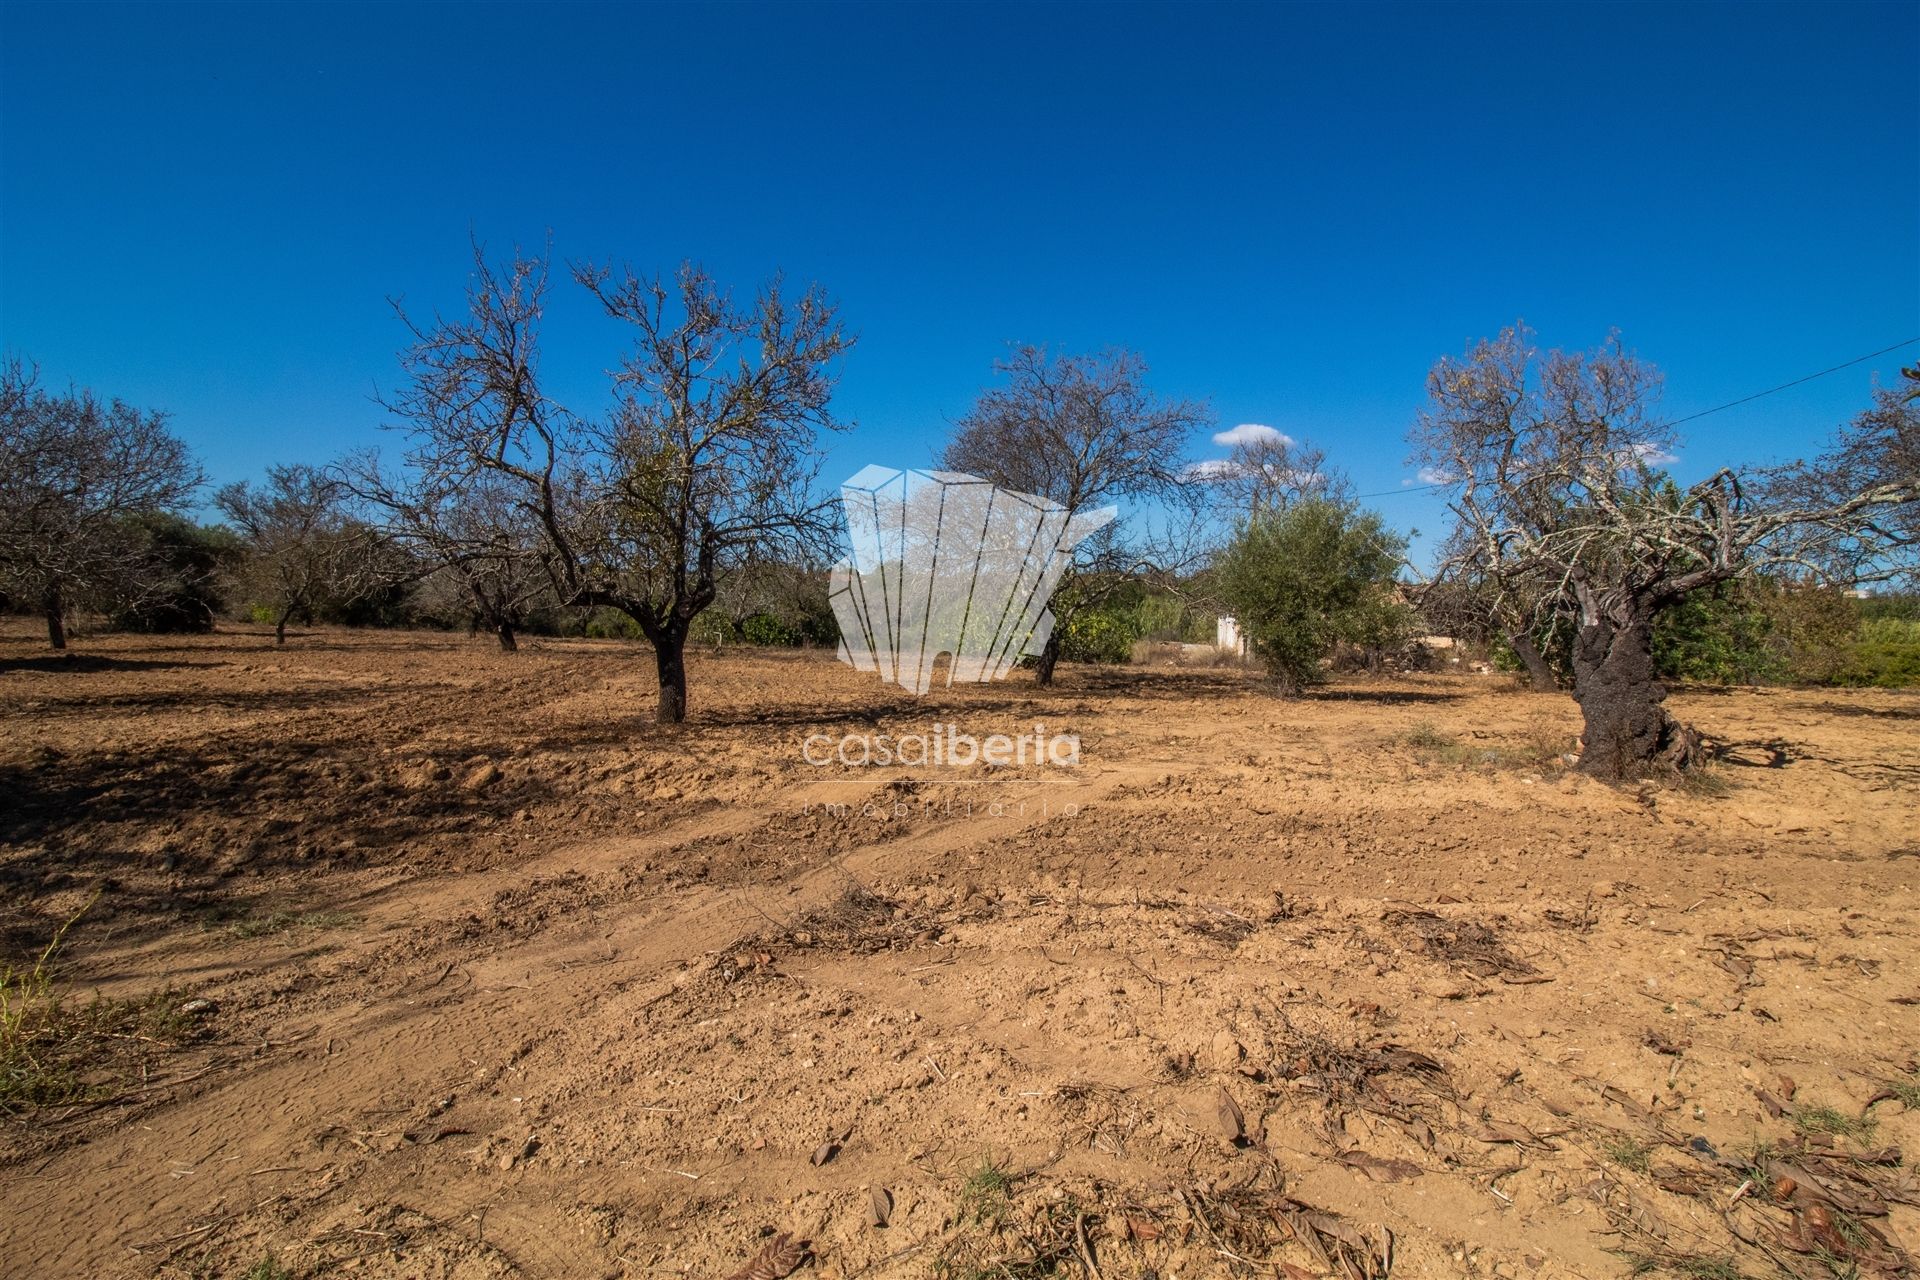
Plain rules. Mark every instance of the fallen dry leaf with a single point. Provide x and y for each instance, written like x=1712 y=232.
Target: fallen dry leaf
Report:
x=1380 y=1168
x=781 y=1257
x=1233 y=1122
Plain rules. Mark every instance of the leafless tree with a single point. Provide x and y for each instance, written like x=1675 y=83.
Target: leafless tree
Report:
x=1553 y=470
x=1270 y=473
x=305 y=551
x=1477 y=597
x=1084 y=431
x=466 y=531
x=74 y=472
x=707 y=459
x=1879 y=447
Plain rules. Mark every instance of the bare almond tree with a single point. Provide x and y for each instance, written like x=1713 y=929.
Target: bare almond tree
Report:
x=74 y=474
x=305 y=551
x=707 y=459
x=1879 y=447
x=1553 y=466
x=1480 y=597
x=1084 y=431
x=1270 y=473
x=466 y=530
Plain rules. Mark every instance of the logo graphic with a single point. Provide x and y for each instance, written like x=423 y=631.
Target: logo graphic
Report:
x=944 y=563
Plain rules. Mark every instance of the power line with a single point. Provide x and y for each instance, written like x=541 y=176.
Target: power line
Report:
x=1796 y=382
x=1417 y=488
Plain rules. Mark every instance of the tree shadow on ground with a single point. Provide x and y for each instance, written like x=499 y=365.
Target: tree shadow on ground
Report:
x=1385 y=697
x=82 y=663
x=1875 y=713
x=268 y=700
x=1769 y=754
x=101 y=821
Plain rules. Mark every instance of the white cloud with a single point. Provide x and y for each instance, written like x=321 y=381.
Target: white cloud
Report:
x=1251 y=433
x=1435 y=475
x=1215 y=469
x=1653 y=455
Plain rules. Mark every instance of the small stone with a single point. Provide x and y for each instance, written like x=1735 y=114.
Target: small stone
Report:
x=481 y=777
x=1226 y=1051
x=198 y=1007
x=1605 y=889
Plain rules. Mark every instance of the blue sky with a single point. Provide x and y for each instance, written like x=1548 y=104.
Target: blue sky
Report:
x=1291 y=211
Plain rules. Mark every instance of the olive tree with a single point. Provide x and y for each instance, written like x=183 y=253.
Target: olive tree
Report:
x=1552 y=467
x=1084 y=431
x=76 y=475
x=706 y=461
x=1303 y=578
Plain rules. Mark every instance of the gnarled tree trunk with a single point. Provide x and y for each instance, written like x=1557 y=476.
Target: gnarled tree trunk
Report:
x=56 y=610
x=508 y=643
x=1628 y=729
x=1540 y=677
x=1049 y=659
x=670 y=659
x=280 y=625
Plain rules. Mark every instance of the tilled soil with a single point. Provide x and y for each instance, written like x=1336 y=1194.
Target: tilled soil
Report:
x=505 y=980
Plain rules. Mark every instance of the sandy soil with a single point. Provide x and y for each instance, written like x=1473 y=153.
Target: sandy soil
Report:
x=508 y=981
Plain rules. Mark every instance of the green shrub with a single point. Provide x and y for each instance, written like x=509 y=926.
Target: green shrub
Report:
x=765 y=629
x=710 y=628
x=1885 y=654
x=611 y=624
x=1098 y=636
x=1305 y=579
x=185 y=566
x=1718 y=636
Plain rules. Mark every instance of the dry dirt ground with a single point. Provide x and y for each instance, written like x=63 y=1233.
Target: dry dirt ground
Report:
x=507 y=981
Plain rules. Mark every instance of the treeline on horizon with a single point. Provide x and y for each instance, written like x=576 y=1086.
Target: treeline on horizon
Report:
x=692 y=513
x=198 y=578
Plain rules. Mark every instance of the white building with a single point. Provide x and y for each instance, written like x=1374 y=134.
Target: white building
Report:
x=1227 y=637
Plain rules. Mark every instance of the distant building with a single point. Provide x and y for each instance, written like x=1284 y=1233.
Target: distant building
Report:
x=1227 y=637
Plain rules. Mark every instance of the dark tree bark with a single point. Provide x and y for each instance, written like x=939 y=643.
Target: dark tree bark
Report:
x=508 y=643
x=1540 y=677
x=1049 y=659
x=280 y=625
x=670 y=660
x=56 y=611
x=1628 y=729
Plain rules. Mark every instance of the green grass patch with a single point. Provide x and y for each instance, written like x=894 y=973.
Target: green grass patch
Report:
x=1906 y=1092
x=246 y=922
x=1695 y=1266
x=1541 y=751
x=55 y=1051
x=985 y=1195
x=1708 y=781
x=1628 y=1153
x=1832 y=1120
x=268 y=1268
